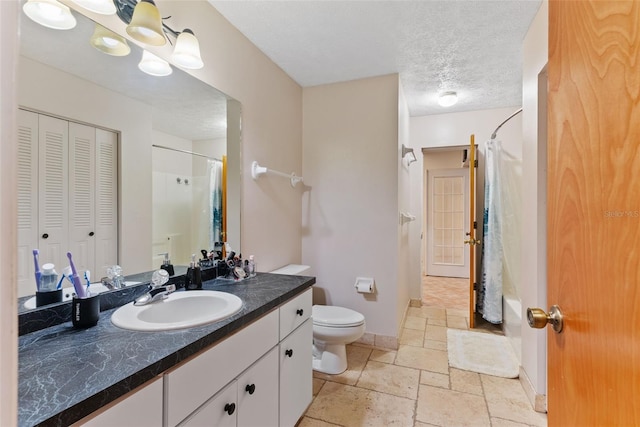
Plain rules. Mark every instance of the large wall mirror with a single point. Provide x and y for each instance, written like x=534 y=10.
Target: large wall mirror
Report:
x=162 y=190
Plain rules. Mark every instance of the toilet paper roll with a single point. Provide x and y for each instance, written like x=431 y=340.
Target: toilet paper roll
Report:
x=364 y=285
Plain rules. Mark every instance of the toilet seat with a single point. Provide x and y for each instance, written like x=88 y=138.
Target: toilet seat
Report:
x=336 y=317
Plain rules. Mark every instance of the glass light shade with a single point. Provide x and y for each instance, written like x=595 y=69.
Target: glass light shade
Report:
x=153 y=65
x=447 y=99
x=102 y=7
x=108 y=42
x=187 y=51
x=146 y=24
x=50 y=13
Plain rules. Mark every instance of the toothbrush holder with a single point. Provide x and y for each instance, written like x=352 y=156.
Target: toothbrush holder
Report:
x=85 y=312
x=50 y=297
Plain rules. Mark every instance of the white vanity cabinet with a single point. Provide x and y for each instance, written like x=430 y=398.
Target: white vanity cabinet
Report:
x=67 y=195
x=140 y=408
x=220 y=411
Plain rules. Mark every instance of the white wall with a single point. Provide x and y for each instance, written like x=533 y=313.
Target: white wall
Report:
x=534 y=266
x=350 y=207
x=271 y=125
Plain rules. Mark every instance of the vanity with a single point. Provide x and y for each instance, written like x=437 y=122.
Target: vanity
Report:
x=253 y=368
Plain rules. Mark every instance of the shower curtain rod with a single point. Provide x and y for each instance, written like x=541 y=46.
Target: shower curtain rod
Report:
x=185 y=151
x=495 y=132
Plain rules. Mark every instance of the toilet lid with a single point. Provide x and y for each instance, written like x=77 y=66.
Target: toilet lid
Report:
x=329 y=315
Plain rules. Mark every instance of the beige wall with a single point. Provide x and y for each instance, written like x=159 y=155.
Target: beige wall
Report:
x=350 y=208
x=8 y=214
x=534 y=265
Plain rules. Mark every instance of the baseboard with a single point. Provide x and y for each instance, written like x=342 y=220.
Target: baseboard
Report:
x=415 y=303
x=538 y=401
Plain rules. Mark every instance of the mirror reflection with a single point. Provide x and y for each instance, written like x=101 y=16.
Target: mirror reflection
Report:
x=72 y=93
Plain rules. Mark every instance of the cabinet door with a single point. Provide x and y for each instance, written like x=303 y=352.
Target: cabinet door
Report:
x=258 y=393
x=106 y=217
x=27 y=199
x=82 y=166
x=220 y=411
x=296 y=374
x=53 y=212
x=142 y=408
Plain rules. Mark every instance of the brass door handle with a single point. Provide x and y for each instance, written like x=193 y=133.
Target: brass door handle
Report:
x=537 y=318
x=472 y=241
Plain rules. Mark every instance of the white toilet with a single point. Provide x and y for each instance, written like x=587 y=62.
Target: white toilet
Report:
x=333 y=328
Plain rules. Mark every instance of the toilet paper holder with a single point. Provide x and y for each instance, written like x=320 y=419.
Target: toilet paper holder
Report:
x=365 y=285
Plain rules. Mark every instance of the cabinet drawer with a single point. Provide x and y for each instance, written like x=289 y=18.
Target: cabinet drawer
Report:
x=190 y=385
x=294 y=313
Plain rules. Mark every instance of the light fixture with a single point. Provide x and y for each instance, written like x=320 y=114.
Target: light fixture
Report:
x=187 y=51
x=50 y=13
x=102 y=7
x=447 y=99
x=146 y=24
x=108 y=42
x=411 y=158
x=153 y=65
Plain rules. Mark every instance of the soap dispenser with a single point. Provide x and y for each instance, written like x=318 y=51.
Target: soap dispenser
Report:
x=166 y=264
x=193 y=278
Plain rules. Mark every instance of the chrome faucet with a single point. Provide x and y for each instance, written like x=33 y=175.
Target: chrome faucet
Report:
x=157 y=289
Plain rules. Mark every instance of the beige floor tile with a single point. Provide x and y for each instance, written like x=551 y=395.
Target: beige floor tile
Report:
x=310 y=422
x=456 y=312
x=506 y=399
x=423 y=358
x=465 y=381
x=392 y=379
x=450 y=408
x=419 y=424
x=418 y=323
x=437 y=322
x=457 y=322
x=386 y=342
x=499 y=422
x=352 y=406
x=317 y=385
x=416 y=312
x=356 y=360
x=382 y=355
x=434 y=379
x=434 y=312
x=435 y=345
x=412 y=337
x=436 y=333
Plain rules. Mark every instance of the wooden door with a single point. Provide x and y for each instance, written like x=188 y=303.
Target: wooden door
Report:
x=472 y=240
x=593 y=251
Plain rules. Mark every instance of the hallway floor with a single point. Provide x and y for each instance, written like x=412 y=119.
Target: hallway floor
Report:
x=415 y=386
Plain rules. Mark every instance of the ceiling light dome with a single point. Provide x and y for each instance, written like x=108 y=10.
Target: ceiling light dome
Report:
x=102 y=7
x=146 y=24
x=108 y=42
x=187 y=51
x=154 y=65
x=50 y=13
x=447 y=99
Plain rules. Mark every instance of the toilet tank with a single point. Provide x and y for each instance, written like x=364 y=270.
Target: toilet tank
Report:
x=294 y=270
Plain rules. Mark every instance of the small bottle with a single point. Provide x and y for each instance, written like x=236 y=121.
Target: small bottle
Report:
x=252 y=266
x=49 y=278
x=166 y=264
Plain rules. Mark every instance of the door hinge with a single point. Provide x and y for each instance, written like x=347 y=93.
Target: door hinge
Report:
x=475 y=286
x=475 y=225
x=475 y=163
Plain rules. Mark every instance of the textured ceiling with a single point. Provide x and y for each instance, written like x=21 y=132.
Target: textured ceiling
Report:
x=182 y=105
x=471 y=47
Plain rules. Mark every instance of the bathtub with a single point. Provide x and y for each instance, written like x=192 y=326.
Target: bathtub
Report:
x=512 y=315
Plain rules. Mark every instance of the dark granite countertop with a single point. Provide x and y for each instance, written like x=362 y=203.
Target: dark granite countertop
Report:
x=64 y=374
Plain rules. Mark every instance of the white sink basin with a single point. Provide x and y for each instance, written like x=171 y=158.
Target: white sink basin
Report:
x=180 y=310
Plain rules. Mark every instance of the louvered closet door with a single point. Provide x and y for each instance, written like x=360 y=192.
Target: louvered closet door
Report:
x=53 y=164
x=27 y=199
x=106 y=238
x=82 y=164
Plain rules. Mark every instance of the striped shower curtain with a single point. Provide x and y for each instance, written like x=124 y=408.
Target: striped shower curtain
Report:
x=214 y=171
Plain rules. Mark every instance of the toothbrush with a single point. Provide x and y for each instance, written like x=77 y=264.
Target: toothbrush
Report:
x=87 y=278
x=76 y=280
x=38 y=273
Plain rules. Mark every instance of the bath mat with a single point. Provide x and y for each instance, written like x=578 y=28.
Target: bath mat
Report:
x=483 y=353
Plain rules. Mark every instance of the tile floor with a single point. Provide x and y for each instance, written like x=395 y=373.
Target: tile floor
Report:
x=414 y=386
